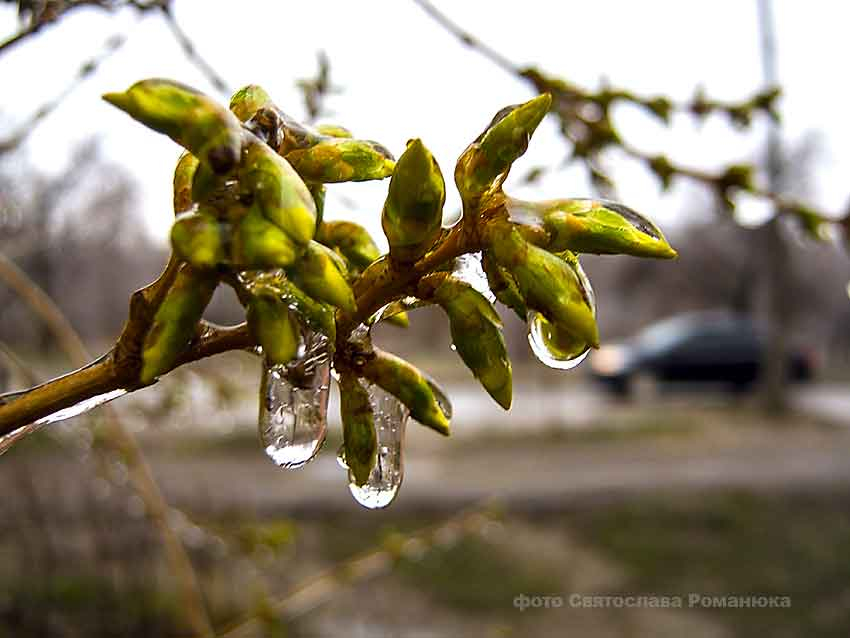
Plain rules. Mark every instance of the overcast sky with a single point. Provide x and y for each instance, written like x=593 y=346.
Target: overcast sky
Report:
x=402 y=76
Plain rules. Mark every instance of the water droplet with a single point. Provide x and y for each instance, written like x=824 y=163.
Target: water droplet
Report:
x=468 y=268
x=385 y=479
x=442 y=399
x=7 y=441
x=294 y=404
x=554 y=346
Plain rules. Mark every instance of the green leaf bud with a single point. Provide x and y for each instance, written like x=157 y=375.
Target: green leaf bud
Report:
x=199 y=239
x=184 y=174
x=358 y=427
x=175 y=321
x=334 y=160
x=321 y=274
x=413 y=209
x=278 y=191
x=477 y=336
x=190 y=118
x=410 y=386
x=485 y=163
x=258 y=243
x=546 y=282
x=274 y=327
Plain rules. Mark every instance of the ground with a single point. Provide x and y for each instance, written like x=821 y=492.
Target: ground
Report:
x=671 y=497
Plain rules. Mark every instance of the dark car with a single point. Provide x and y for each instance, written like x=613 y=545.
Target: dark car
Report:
x=704 y=348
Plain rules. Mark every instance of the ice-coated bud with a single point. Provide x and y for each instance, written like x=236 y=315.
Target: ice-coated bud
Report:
x=248 y=100
x=420 y=394
x=198 y=238
x=352 y=240
x=184 y=174
x=190 y=118
x=358 y=427
x=274 y=327
x=320 y=273
x=337 y=159
x=503 y=285
x=413 y=209
x=546 y=282
x=477 y=335
x=278 y=192
x=334 y=130
x=258 y=243
x=175 y=321
x=485 y=163
x=595 y=226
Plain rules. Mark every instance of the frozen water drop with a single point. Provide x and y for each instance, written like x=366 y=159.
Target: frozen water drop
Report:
x=294 y=404
x=7 y=441
x=468 y=268
x=552 y=346
x=382 y=486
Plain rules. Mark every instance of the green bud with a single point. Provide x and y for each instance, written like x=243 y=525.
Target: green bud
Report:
x=279 y=192
x=248 y=100
x=352 y=240
x=503 y=285
x=546 y=282
x=334 y=130
x=410 y=386
x=199 y=239
x=184 y=174
x=336 y=159
x=193 y=120
x=358 y=427
x=560 y=344
x=175 y=322
x=318 y=316
x=477 y=335
x=321 y=274
x=260 y=244
x=593 y=226
x=399 y=320
x=485 y=163
x=413 y=210
x=274 y=327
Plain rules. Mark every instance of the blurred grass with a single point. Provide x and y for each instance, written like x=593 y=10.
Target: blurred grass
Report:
x=736 y=543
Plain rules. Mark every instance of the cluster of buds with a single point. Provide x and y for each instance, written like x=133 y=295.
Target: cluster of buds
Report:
x=249 y=195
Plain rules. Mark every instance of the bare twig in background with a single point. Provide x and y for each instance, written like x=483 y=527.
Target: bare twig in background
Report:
x=30 y=378
x=585 y=121
x=317 y=89
x=311 y=593
x=86 y=70
x=191 y=51
x=122 y=442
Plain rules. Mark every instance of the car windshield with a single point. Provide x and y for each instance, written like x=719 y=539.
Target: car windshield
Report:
x=662 y=336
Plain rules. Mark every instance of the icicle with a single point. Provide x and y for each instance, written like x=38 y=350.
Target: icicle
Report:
x=385 y=479
x=10 y=439
x=552 y=346
x=294 y=404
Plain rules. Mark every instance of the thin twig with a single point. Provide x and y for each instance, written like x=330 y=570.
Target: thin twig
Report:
x=86 y=70
x=311 y=593
x=191 y=51
x=121 y=439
